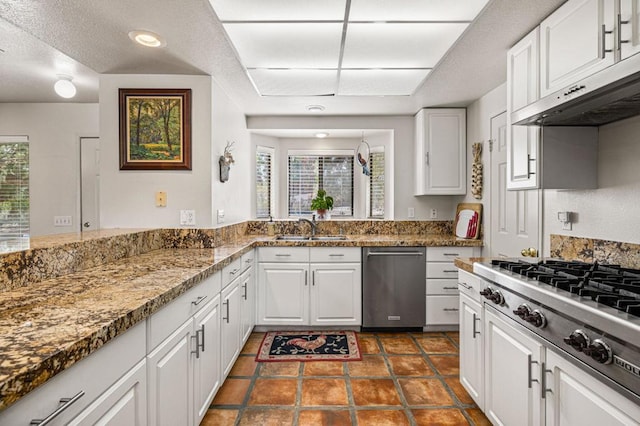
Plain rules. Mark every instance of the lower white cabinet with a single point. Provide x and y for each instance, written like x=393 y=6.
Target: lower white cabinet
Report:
x=472 y=348
x=513 y=363
x=207 y=378
x=248 y=308
x=231 y=321
x=325 y=291
x=573 y=397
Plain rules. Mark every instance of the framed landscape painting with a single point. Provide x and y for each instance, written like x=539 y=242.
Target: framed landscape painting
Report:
x=155 y=129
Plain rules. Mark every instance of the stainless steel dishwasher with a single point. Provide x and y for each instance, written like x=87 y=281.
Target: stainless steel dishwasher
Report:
x=393 y=287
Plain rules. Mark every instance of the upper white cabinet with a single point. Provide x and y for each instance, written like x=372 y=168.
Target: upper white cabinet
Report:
x=576 y=41
x=440 y=148
x=629 y=28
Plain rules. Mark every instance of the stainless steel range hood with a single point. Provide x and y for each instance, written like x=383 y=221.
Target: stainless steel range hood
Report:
x=607 y=96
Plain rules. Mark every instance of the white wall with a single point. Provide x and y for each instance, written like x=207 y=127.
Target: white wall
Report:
x=128 y=197
x=612 y=211
x=403 y=139
x=54 y=131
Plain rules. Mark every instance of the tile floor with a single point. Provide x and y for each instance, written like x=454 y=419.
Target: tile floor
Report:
x=403 y=379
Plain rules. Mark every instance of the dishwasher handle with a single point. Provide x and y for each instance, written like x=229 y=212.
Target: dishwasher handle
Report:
x=394 y=253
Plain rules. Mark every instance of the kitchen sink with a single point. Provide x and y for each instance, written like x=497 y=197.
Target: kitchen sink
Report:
x=292 y=238
x=329 y=238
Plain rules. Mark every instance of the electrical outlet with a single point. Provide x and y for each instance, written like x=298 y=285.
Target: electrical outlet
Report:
x=187 y=217
x=62 y=221
x=161 y=199
x=411 y=213
x=220 y=216
x=434 y=214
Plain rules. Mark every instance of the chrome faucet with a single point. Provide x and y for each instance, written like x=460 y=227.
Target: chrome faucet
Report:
x=312 y=223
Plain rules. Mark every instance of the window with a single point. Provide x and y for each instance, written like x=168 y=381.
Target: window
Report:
x=331 y=171
x=264 y=182
x=375 y=191
x=14 y=194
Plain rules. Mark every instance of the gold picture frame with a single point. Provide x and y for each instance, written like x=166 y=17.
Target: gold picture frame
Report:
x=155 y=129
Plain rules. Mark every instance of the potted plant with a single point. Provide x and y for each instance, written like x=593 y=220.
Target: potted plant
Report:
x=322 y=203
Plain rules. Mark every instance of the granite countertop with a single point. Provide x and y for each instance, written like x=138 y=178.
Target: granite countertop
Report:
x=466 y=263
x=48 y=326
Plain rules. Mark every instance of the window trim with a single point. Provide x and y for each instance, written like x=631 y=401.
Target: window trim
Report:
x=368 y=204
x=271 y=151
x=20 y=242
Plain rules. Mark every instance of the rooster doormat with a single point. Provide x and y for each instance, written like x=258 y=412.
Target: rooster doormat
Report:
x=309 y=346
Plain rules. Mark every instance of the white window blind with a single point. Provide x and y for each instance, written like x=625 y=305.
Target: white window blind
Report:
x=309 y=172
x=264 y=182
x=14 y=196
x=376 y=185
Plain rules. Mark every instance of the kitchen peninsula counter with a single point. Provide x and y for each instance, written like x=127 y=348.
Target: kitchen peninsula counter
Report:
x=48 y=326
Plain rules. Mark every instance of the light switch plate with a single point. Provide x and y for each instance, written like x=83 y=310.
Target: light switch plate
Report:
x=220 y=216
x=161 y=199
x=62 y=221
x=411 y=213
x=187 y=217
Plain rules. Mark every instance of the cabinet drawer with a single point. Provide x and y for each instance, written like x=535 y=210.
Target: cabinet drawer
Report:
x=92 y=375
x=442 y=270
x=170 y=317
x=448 y=254
x=443 y=310
x=469 y=284
x=283 y=254
x=248 y=260
x=231 y=272
x=335 y=254
x=443 y=286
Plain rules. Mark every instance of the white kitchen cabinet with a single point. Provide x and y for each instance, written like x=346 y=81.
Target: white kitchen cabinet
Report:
x=576 y=40
x=574 y=397
x=471 y=348
x=512 y=371
x=231 y=300
x=336 y=294
x=248 y=288
x=324 y=290
x=207 y=378
x=123 y=404
x=629 y=22
x=440 y=151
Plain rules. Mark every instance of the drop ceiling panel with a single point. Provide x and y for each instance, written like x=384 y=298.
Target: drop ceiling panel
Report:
x=279 y=10
x=380 y=82
x=288 y=45
x=398 y=45
x=415 y=10
x=271 y=82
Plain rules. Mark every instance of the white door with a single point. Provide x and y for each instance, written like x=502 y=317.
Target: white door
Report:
x=89 y=184
x=230 y=326
x=283 y=294
x=206 y=369
x=512 y=374
x=471 y=347
x=514 y=214
x=629 y=28
x=575 y=397
x=336 y=297
x=247 y=287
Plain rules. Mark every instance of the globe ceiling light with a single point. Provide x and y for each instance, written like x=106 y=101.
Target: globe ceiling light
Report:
x=64 y=87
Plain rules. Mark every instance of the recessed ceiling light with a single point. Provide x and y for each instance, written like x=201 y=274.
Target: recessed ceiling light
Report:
x=322 y=134
x=147 y=38
x=64 y=87
x=315 y=108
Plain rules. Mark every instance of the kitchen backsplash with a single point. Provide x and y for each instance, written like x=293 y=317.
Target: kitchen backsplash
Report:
x=355 y=227
x=595 y=250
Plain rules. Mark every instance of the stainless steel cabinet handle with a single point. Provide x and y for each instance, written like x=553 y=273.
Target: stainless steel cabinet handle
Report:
x=197 y=351
x=451 y=254
x=248 y=261
x=198 y=300
x=305 y=277
x=620 y=23
x=603 y=39
x=313 y=278
x=465 y=285
x=336 y=255
x=450 y=309
x=530 y=378
x=451 y=271
x=66 y=403
x=426 y=158
x=449 y=288
x=392 y=253
x=543 y=381
x=283 y=254
x=202 y=334
x=529 y=160
x=226 y=302
x=475 y=319
x=245 y=291
x=235 y=271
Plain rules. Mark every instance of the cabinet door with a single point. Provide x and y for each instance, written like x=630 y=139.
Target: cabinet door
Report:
x=283 y=294
x=231 y=320
x=522 y=90
x=441 y=152
x=512 y=374
x=629 y=28
x=170 y=370
x=575 y=397
x=123 y=404
x=336 y=294
x=206 y=367
x=471 y=348
x=248 y=306
x=576 y=41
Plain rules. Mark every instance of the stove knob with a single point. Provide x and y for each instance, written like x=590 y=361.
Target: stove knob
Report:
x=496 y=297
x=523 y=310
x=486 y=292
x=578 y=340
x=536 y=318
x=599 y=351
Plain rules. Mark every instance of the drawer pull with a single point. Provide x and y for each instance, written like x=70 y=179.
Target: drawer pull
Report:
x=248 y=261
x=283 y=254
x=530 y=378
x=451 y=254
x=336 y=255
x=245 y=291
x=465 y=285
x=450 y=271
x=449 y=288
x=199 y=346
x=475 y=319
x=198 y=300
x=66 y=403
x=226 y=302
x=450 y=309
x=235 y=271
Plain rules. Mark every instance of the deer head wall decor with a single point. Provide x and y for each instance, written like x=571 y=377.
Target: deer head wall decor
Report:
x=225 y=161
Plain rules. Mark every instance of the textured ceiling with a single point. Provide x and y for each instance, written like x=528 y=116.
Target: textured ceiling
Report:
x=91 y=35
